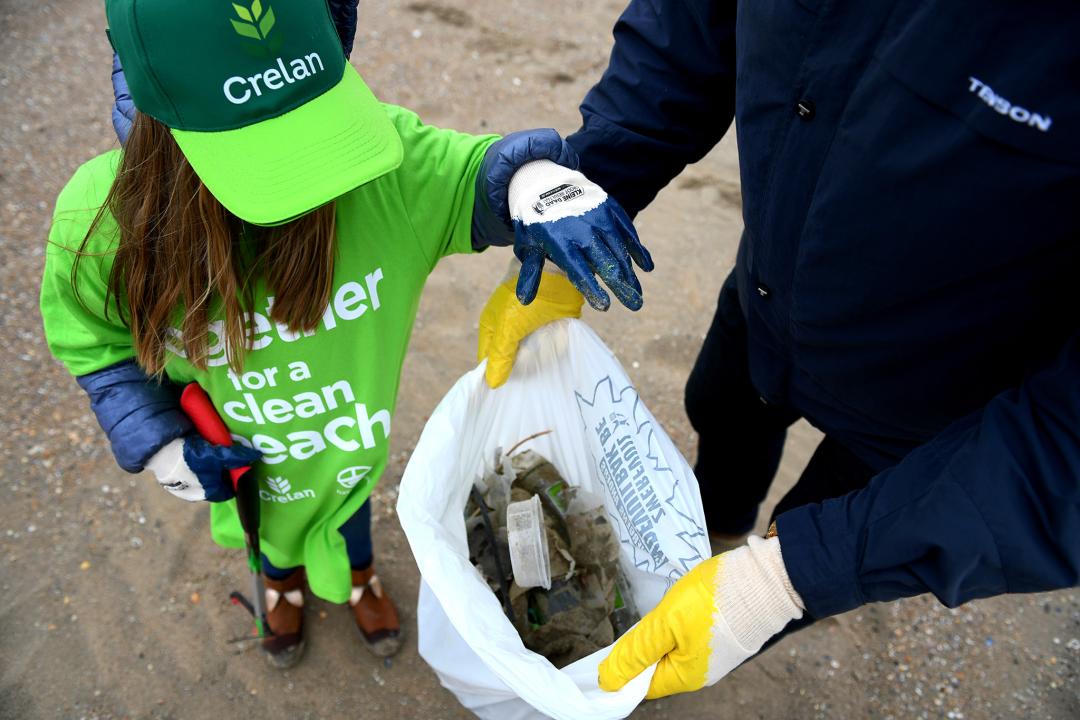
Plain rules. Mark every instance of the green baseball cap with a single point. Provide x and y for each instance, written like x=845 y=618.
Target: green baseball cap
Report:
x=260 y=98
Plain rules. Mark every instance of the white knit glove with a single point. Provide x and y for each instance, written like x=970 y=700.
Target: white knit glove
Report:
x=193 y=469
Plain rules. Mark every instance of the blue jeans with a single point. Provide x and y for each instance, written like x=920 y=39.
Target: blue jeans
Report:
x=357 y=534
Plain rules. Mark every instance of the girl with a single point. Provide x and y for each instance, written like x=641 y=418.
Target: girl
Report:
x=266 y=232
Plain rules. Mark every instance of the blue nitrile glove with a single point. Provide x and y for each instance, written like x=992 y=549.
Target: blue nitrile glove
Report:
x=123 y=114
x=192 y=469
x=530 y=193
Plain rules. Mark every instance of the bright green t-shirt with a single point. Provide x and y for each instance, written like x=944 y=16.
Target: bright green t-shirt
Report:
x=319 y=405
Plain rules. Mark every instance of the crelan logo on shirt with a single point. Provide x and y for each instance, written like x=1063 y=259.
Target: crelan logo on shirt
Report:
x=282 y=491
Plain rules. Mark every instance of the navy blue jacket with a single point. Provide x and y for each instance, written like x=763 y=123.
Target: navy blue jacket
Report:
x=909 y=268
x=139 y=415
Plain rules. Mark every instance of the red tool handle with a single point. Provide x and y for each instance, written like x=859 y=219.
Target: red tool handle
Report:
x=196 y=403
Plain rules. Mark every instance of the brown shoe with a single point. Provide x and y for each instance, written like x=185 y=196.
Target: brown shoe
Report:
x=375 y=614
x=285 y=616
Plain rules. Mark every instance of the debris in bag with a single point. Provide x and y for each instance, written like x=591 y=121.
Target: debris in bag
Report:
x=583 y=602
x=525 y=533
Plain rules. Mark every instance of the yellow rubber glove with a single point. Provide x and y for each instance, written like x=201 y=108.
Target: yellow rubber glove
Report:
x=711 y=620
x=505 y=322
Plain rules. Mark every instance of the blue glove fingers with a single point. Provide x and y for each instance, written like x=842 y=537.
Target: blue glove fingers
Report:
x=539 y=238
x=580 y=272
x=123 y=113
x=222 y=491
x=614 y=269
x=607 y=233
x=633 y=244
x=198 y=451
x=238 y=455
x=547 y=144
x=532 y=266
x=209 y=463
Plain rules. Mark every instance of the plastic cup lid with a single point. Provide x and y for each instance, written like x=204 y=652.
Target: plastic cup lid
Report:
x=528 y=544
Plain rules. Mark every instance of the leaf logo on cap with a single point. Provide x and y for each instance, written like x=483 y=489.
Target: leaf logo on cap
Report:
x=254 y=23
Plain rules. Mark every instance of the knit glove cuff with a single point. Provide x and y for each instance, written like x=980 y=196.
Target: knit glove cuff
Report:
x=754 y=593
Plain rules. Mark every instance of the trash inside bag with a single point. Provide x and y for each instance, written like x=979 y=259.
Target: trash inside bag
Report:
x=551 y=557
x=608 y=451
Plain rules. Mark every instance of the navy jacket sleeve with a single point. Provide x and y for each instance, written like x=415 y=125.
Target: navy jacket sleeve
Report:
x=990 y=506
x=666 y=98
x=344 y=14
x=138 y=414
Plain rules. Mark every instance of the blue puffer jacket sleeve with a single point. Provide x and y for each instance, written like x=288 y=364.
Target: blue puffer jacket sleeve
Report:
x=138 y=414
x=666 y=98
x=990 y=506
x=123 y=113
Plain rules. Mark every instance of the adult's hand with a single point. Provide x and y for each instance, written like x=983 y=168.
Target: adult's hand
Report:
x=192 y=469
x=715 y=617
x=529 y=194
x=560 y=214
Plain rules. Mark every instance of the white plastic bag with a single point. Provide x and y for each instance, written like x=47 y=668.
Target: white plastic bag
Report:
x=604 y=440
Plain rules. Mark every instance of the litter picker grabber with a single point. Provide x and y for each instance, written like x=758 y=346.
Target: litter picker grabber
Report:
x=196 y=403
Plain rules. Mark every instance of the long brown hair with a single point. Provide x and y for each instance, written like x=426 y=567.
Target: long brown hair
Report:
x=181 y=252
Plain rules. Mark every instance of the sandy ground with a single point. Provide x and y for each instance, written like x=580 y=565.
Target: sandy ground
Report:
x=114 y=599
